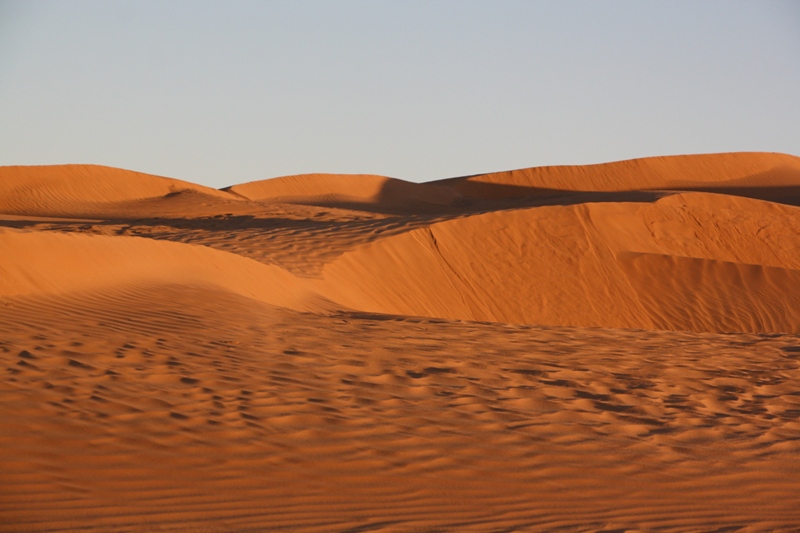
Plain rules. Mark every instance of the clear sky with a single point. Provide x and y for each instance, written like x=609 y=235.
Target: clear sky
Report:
x=230 y=91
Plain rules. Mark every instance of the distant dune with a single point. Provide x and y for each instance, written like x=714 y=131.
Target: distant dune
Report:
x=85 y=189
x=601 y=348
x=357 y=191
x=761 y=175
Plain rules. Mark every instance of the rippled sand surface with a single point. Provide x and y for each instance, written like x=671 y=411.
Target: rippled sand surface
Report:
x=539 y=350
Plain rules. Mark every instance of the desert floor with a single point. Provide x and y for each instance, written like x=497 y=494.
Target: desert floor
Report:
x=607 y=348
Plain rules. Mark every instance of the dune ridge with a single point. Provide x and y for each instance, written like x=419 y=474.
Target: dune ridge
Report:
x=349 y=190
x=739 y=170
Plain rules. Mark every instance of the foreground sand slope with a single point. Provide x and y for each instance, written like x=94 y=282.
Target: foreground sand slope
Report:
x=43 y=264
x=695 y=262
x=183 y=409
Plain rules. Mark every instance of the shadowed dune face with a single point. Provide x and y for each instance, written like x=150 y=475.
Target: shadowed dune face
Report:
x=357 y=353
x=765 y=300
x=350 y=191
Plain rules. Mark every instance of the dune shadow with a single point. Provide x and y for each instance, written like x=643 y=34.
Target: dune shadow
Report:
x=156 y=227
x=214 y=223
x=499 y=194
x=483 y=197
x=786 y=195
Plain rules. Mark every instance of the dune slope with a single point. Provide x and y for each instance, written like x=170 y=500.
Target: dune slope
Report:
x=626 y=265
x=65 y=190
x=44 y=264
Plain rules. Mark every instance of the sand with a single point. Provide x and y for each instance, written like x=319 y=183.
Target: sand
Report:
x=357 y=191
x=599 y=348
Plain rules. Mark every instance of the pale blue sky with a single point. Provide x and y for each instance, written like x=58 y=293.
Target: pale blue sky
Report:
x=231 y=91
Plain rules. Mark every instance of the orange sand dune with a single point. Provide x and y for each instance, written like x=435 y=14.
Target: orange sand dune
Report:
x=43 y=264
x=348 y=190
x=357 y=353
x=602 y=265
x=762 y=175
x=75 y=189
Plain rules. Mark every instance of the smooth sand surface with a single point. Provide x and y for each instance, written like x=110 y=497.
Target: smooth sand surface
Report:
x=75 y=189
x=600 y=348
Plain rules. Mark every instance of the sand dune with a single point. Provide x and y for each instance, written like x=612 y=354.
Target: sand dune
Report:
x=84 y=189
x=361 y=191
x=574 y=266
x=762 y=175
x=45 y=264
x=599 y=348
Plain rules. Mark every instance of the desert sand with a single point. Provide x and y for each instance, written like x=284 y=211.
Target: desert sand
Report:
x=610 y=347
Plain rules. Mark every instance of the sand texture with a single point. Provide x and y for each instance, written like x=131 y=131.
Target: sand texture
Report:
x=593 y=348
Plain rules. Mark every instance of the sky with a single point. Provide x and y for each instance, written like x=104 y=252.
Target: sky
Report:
x=224 y=92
